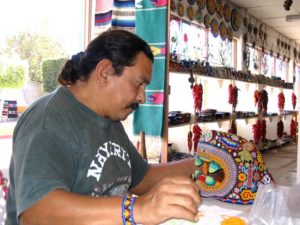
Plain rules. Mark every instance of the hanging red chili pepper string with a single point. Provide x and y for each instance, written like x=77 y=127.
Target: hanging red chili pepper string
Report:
x=233 y=96
x=190 y=141
x=281 y=101
x=197 y=132
x=294 y=100
x=197 y=95
x=280 y=128
x=263 y=129
x=257 y=98
x=264 y=101
x=233 y=129
x=256 y=128
x=293 y=128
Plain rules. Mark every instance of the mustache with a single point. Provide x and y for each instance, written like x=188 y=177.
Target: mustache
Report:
x=134 y=105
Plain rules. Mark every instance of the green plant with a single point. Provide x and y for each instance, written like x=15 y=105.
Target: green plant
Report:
x=50 y=70
x=12 y=75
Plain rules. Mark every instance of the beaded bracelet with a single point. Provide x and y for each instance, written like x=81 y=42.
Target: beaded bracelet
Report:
x=127 y=209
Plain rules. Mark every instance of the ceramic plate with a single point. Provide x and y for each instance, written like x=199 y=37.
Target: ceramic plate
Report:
x=214 y=27
x=226 y=12
x=210 y=5
x=235 y=19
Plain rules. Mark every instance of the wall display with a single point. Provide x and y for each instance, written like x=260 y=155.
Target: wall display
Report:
x=190 y=12
x=210 y=5
x=201 y=4
x=214 y=27
x=235 y=19
x=223 y=30
x=229 y=34
x=219 y=8
x=191 y=2
x=199 y=16
x=207 y=21
x=180 y=9
x=227 y=12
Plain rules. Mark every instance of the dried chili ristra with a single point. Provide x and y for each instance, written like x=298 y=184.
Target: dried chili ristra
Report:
x=293 y=128
x=233 y=96
x=264 y=101
x=294 y=100
x=197 y=132
x=230 y=94
x=256 y=128
x=280 y=128
x=197 y=95
x=257 y=98
x=281 y=101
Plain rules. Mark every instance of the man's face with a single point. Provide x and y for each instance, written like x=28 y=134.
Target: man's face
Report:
x=128 y=88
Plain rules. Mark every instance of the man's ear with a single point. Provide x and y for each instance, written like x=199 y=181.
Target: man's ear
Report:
x=103 y=70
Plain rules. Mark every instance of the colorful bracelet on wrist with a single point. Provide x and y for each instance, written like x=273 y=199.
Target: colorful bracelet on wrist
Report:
x=127 y=209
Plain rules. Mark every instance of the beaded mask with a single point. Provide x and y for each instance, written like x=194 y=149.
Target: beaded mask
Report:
x=229 y=168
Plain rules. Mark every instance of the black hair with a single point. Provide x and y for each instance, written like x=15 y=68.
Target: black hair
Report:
x=119 y=46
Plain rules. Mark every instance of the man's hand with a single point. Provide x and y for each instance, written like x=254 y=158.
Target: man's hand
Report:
x=172 y=197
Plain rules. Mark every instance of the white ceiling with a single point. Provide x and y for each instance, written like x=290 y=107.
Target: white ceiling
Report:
x=272 y=13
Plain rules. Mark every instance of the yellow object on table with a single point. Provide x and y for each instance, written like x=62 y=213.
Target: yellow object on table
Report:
x=233 y=221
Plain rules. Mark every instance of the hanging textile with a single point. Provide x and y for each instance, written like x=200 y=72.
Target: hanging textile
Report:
x=123 y=15
x=103 y=16
x=151 y=23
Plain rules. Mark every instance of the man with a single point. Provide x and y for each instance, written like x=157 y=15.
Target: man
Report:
x=72 y=161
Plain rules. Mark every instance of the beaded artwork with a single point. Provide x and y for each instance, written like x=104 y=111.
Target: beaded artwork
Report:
x=229 y=168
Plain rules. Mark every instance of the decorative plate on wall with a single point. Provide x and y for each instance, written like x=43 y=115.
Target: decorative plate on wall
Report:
x=201 y=4
x=214 y=27
x=219 y=8
x=235 y=19
x=210 y=5
x=226 y=12
x=191 y=2
x=180 y=9
x=207 y=21
x=245 y=22
x=229 y=34
x=190 y=12
x=223 y=30
x=199 y=16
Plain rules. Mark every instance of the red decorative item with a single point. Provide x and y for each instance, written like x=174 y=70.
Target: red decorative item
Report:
x=264 y=101
x=256 y=128
x=233 y=129
x=293 y=128
x=197 y=132
x=257 y=98
x=190 y=141
x=280 y=128
x=263 y=129
x=233 y=96
x=197 y=95
x=281 y=101
x=294 y=100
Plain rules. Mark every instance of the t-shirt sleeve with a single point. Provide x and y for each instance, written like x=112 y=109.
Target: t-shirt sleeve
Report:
x=139 y=166
x=42 y=164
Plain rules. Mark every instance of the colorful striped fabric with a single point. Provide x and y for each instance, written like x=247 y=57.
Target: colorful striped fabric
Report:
x=123 y=15
x=151 y=22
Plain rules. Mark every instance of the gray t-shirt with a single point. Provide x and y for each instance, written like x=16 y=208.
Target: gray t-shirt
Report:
x=59 y=143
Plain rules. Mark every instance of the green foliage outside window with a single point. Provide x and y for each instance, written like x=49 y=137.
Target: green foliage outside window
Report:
x=50 y=71
x=12 y=75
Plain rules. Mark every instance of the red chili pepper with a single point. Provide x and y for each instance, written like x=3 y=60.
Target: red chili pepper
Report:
x=197 y=95
x=280 y=128
x=293 y=128
x=294 y=100
x=233 y=96
x=256 y=128
x=197 y=132
x=281 y=101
